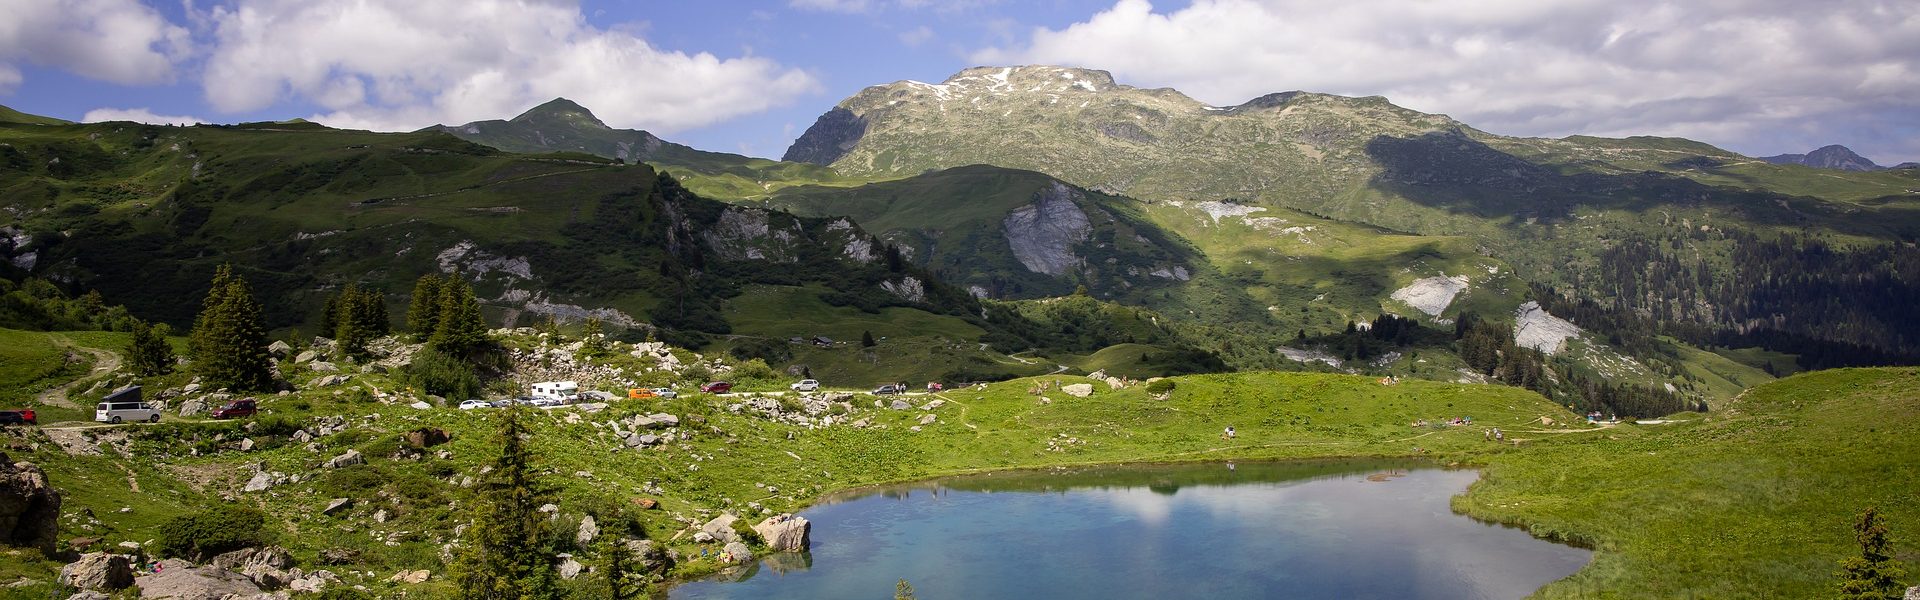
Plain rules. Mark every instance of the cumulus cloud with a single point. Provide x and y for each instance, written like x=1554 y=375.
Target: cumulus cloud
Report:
x=1747 y=73
x=401 y=66
x=137 y=115
x=121 y=41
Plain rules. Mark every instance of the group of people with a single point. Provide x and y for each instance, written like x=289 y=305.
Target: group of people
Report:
x=1494 y=434
x=1456 y=422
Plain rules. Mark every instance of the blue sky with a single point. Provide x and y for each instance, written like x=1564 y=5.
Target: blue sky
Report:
x=1755 y=76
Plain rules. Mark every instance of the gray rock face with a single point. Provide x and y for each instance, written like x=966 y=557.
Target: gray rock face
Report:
x=180 y=580
x=306 y=356
x=267 y=567
x=568 y=568
x=739 y=552
x=336 y=505
x=29 y=506
x=351 y=458
x=98 y=571
x=588 y=530
x=1534 y=328
x=829 y=138
x=1913 y=593
x=279 y=349
x=1078 y=390
x=1827 y=157
x=721 y=528
x=1043 y=234
x=785 y=533
x=324 y=367
x=194 y=406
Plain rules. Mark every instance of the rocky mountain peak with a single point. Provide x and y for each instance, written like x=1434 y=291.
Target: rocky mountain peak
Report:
x=560 y=109
x=1033 y=78
x=1833 y=156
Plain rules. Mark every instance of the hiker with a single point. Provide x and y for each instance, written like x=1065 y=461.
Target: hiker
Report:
x=1228 y=433
x=1499 y=435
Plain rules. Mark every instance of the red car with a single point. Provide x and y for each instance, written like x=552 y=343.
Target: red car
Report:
x=235 y=409
x=717 y=387
x=24 y=416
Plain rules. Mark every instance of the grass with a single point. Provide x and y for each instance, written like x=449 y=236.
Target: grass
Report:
x=31 y=362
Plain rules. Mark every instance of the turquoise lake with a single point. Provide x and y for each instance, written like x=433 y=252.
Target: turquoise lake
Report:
x=1317 y=529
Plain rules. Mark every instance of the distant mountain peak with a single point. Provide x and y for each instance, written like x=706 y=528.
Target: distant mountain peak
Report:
x=1833 y=156
x=562 y=109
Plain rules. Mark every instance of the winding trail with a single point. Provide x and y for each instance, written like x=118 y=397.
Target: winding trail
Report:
x=104 y=362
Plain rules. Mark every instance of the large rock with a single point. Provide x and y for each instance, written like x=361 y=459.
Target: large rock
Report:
x=785 y=533
x=29 y=506
x=428 y=437
x=351 y=458
x=1078 y=390
x=98 y=571
x=324 y=367
x=336 y=505
x=193 y=407
x=1913 y=593
x=739 y=552
x=587 y=532
x=266 y=566
x=279 y=349
x=306 y=356
x=179 y=580
x=721 y=528
x=568 y=568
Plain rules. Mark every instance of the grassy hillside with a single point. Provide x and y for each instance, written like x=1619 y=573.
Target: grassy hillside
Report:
x=8 y=115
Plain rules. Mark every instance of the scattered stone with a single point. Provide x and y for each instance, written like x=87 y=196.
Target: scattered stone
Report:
x=380 y=516
x=568 y=567
x=98 y=571
x=927 y=419
x=351 y=458
x=246 y=444
x=29 y=506
x=260 y=482
x=421 y=405
x=647 y=503
x=738 y=552
x=267 y=566
x=279 y=349
x=336 y=505
x=900 y=405
x=549 y=508
x=180 y=580
x=314 y=583
x=306 y=356
x=331 y=380
x=702 y=538
x=721 y=528
x=321 y=366
x=193 y=407
x=302 y=436
x=1077 y=390
x=339 y=556
x=587 y=532
x=428 y=437
x=785 y=533
x=933 y=404
x=419 y=576
x=665 y=419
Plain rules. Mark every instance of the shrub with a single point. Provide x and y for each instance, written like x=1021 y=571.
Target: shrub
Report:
x=443 y=375
x=214 y=530
x=1160 y=386
x=276 y=425
x=747 y=534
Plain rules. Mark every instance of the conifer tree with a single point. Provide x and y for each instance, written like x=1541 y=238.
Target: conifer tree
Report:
x=866 y=339
x=507 y=554
x=423 y=309
x=371 y=310
x=459 y=332
x=229 y=340
x=593 y=343
x=1873 y=575
x=360 y=316
x=616 y=567
x=148 y=351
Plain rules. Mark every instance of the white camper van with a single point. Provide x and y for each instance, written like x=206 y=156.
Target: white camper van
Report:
x=124 y=405
x=548 y=393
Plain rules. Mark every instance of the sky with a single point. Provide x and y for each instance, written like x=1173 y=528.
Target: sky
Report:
x=1759 y=77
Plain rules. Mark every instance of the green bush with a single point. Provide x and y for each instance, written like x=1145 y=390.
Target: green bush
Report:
x=217 y=529
x=1161 y=386
x=443 y=375
x=747 y=534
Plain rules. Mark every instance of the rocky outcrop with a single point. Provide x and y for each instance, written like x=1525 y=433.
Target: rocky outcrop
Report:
x=180 y=580
x=753 y=234
x=29 y=506
x=267 y=566
x=1827 y=157
x=350 y=458
x=908 y=288
x=829 y=138
x=1044 y=233
x=427 y=437
x=738 y=552
x=1431 y=295
x=98 y=571
x=1078 y=390
x=1534 y=328
x=721 y=528
x=785 y=533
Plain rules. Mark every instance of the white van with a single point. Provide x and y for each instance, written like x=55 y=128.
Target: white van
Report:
x=115 y=412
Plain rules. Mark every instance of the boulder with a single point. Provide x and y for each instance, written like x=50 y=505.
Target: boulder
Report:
x=266 y=566
x=721 y=528
x=785 y=533
x=1913 y=593
x=192 y=407
x=421 y=405
x=98 y=571
x=1078 y=390
x=279 y=349
x=665 y=419
x=427 y=437
x=339 y=556
x=336 y=505
x=702 y=537
x=314 y=582
x=331 y=380
x=588 y=530
x=647 y=503
x=180 y=580
x=321 y=366
x=29 y=506
x=259 y=483
x=419 y=576
x=927 y=419
x=900 y=405
x=568 y=568
x=306 y=356
x=351 y=458
x=738 y=552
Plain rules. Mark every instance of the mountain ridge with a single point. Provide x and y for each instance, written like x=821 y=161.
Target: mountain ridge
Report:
x=1832 y=156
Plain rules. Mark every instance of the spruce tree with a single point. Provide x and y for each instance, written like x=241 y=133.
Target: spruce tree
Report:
x=616 y=568
x=593 y=343
x=1873 y=575
x=229 y=340
x=866 y=339
x=459 y=332
x=350 y=335
x=506 y=554
x=423 y=309
x=148 y=351
x=371 y=310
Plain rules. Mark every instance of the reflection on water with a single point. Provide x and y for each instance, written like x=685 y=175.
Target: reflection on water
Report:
x=1317 y=529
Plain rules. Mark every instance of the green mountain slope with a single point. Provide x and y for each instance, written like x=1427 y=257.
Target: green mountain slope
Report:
x=1704 y=243
x=8 y=115
x=560 y=125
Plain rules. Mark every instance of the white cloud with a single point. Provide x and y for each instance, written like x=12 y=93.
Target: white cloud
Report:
x=401 y=66
x=916 y=36
x=1721 y=70
x=137 y=115
x=846 y=6
x=865 y=6
x=121 y=41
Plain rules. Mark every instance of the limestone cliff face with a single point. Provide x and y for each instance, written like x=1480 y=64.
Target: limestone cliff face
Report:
x=831 y=137
x=1043 y=234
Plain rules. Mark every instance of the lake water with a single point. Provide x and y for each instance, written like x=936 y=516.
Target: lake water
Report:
x=1318 y=529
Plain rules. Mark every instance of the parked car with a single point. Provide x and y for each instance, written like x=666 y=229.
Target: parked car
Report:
x=890 y=389
x=501 y=403
x=806 y=385
x=717 y=387
x=118 y=412
x=473 y=404
x=546 y=402
x=235 y=410
x=666 y=393
x=640 y=393
x=22 y=416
